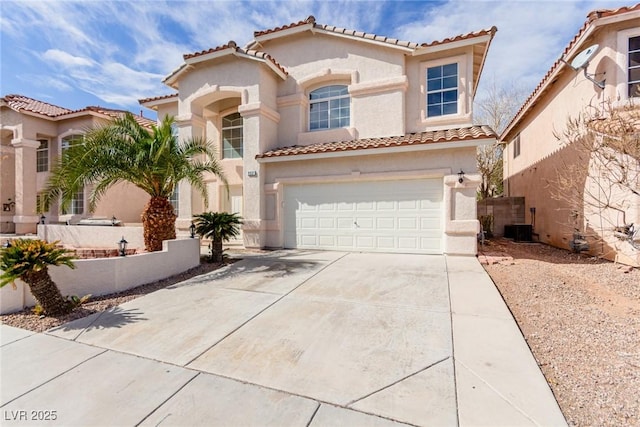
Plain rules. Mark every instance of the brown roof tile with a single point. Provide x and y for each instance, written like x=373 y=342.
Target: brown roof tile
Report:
x=158 y=98
x=369 y=36
x=489 y=31
x=430 y=137
x=233 y=45
x=23 y=103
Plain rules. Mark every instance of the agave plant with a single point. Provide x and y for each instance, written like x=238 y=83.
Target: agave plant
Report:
x=219 y=227
x=28 y=260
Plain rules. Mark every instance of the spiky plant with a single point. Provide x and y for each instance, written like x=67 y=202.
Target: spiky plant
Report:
x=152 y=160
x=219 y=227
x=28 y=260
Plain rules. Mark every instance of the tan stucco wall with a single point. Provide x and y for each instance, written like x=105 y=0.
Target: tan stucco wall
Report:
x=533 y=174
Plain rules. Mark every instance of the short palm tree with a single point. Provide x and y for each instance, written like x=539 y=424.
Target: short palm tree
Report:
x=28 y=260
x=152 y=160
x=219 y=227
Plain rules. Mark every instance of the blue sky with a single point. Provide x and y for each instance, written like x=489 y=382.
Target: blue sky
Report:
x=112 y=53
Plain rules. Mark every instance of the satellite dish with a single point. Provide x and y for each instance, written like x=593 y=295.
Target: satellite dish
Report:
x=582 y=59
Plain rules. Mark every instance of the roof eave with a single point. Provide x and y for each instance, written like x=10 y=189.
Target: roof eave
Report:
x=558 y=68
x=283 y=33
x=153 y=104
x=380 y=43
x=384 y=150
x=424 y=50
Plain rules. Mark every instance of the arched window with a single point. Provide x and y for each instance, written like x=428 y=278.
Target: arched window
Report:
x=232 y=136
x=329 y=107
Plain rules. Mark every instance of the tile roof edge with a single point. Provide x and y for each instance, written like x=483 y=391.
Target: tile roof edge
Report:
x=590 y=22
x=487 y=132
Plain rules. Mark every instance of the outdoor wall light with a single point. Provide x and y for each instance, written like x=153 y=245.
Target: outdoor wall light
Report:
x=122 y=246
x=461 y=176
x=192 y=230
x=42 y=218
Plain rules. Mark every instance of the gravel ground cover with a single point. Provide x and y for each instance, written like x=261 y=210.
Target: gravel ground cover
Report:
x=581 y=317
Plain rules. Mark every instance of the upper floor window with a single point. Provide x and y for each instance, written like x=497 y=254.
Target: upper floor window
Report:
x=516 y=146
x=633 y=81
x=71 y=140
x=42 y=156
x=442 y=90
x=232 y=136
x=329 y=108
x=174 y=200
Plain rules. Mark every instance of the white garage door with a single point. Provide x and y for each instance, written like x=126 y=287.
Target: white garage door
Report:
x=381 y=216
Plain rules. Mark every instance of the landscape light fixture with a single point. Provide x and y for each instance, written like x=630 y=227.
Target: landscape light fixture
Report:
x=122 y=246
x=42 y=218
x=461 y=176
x=114 y=220
x=192 y=230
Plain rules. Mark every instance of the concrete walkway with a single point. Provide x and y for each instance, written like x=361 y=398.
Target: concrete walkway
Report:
x=288 y=338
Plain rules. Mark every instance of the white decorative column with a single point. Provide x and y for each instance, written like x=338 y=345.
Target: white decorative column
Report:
x=187 y=129
x=26 y=216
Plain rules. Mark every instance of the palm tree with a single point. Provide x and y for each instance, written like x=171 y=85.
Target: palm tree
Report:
x=219 y=227
x=152 y=160
x=28 y=259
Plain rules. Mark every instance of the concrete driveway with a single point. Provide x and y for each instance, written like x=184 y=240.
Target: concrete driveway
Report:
x=295 y=338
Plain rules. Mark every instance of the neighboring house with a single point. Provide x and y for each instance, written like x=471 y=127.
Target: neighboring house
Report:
x=33 y=135
x=536 y=150
x=337 y=139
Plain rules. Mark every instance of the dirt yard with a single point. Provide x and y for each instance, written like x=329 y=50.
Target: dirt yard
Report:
x=581 y=317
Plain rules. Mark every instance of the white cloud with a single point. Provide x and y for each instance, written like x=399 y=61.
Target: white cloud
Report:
x=66 y=59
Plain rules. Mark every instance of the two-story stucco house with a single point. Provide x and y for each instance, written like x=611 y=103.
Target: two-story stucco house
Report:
x=537 y=153
x=33 y=134
x=337 y=139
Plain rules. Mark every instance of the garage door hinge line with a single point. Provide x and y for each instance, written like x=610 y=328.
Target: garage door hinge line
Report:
x=265 y=309
x=398 y=381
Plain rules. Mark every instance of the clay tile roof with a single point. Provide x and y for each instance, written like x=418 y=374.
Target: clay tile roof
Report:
x=230 y=45
x=310 y=20
x=489 y=31
x=142 y=121
x=234 y=46
x=158 y=98
x=430 y=137
x=359 y=34
x=592 y=16
x=23 y=103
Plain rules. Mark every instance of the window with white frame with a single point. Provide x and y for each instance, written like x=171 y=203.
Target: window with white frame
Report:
x=232 y=136
x=174 y=200
x=42 y=156
x=71 y=140
x=633 y=80
x=516 y=146
x=442 y=90
x=76 y=206
x=329 y=108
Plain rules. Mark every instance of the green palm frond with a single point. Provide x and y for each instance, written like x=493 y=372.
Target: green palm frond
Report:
x=124 y=151
x=30 y=255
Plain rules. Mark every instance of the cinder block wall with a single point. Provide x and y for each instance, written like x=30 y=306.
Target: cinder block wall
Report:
x=505 y=210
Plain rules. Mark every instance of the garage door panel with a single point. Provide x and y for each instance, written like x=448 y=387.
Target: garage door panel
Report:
x=385 y=216
x=408 y=224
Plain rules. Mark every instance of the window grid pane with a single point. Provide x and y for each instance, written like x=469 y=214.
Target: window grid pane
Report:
x=442 y=90
x=232 y=136
x=175 y=196
x=634 y=67
x=42 y=156
x=329 y=108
